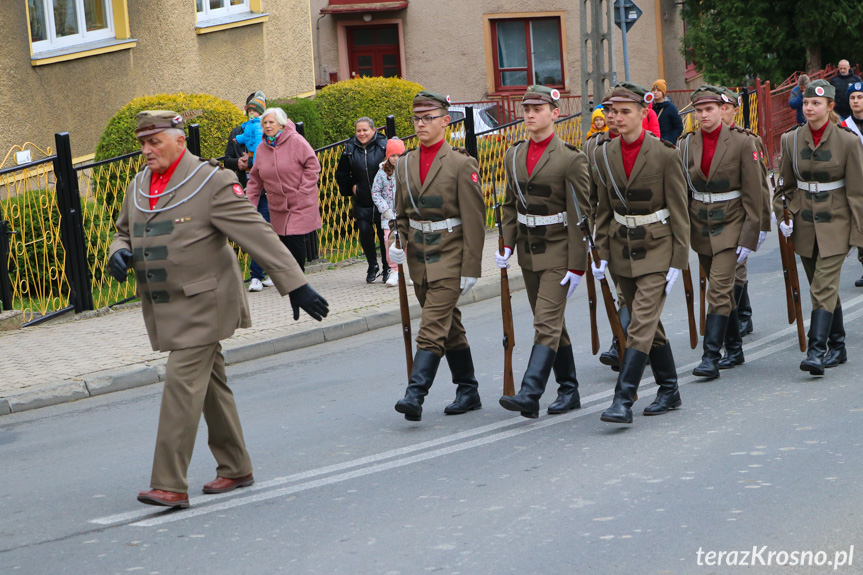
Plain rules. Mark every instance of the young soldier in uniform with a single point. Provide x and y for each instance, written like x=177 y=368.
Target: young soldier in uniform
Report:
x=724 y=175
x=854 y=122
x=441 y=218
x=642 y=235
x=545 y=178
x=822 y=182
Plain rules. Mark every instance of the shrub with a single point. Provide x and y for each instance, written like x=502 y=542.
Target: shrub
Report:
x=305 y=111
x=340 y=105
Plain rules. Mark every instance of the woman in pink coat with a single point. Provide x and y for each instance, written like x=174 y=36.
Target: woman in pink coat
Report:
x=287 y=168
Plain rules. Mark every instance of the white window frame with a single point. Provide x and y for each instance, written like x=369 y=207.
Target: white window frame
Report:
x=228 y=10
x=83 y=37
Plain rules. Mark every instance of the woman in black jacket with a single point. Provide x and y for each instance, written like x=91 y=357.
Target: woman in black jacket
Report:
x=670 y=124
x=354 y=176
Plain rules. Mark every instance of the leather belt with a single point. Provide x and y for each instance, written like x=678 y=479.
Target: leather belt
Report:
x=815 y=187
x=532 y=221
x=636 y=221
x=428 y=226
x=709 y=198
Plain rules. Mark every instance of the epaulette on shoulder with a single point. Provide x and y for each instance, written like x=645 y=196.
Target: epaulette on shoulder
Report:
x=667 y=143
x=792 y=128
x=517 y=142
x=213 y=162
x=686 y=134
x=739 y=129
x=594 y=135
x=572 y=146
x=847 y=129
x=462 y=150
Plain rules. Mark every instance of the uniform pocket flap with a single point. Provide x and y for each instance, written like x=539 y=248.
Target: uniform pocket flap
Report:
x=660 y=231
x=200 y=286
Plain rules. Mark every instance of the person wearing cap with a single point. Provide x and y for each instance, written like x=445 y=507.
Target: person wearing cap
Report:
x=642 y=236
x=821 y=181
x=854 y=122
x=173 y=228
x=840 y=82
x=670 y=124
x=440 y=213
x=252 y=131
x=547 y=189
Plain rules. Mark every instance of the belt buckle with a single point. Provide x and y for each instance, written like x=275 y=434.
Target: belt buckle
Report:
x=816 y=188
x=426 y=226
x=530 y=220
x=708 y=198
x=631 y=221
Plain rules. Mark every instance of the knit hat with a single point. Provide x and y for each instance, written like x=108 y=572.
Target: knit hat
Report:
x=395 y=146
x=820 y=89
x=660 y=85
x=258 y=103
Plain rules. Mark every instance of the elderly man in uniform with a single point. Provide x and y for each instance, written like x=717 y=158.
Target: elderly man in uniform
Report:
x=174 y=226
x=821 y=180
x=441 y=218
x=642 y=235
x=546 y=194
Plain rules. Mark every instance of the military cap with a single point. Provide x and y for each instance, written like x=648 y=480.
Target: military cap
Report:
x=426 y=101
x=706 y=94
x=154 y=121
x=820 y=89
x=855 y=87
x=539 y=95
x=729 y=96
x=629 y=92
x=606 y=99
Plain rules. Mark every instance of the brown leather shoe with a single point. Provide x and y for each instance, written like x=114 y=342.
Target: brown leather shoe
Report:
x=224 y=484
x=164 y=498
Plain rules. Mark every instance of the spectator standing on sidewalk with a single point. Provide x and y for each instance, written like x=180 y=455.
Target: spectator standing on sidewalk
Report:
x=795 y=100
x=854 y=122
x=670 y=124
x=287 y=167
x=841 y=81
x=355 y=173
x=384 y=197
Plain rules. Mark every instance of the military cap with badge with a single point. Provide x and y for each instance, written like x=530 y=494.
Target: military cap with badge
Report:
x=631 y=92
x=426 y=101
x=154 y=121
x=539 y=95
x=820 y=89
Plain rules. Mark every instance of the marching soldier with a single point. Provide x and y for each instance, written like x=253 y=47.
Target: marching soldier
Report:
x=545 y=178
x=174 y=225
x=724 y=176
x=822 y=183
x=642 y=235
x=441 y=218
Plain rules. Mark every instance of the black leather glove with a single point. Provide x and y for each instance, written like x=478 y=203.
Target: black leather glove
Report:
x=310 y=301
x=118 y=265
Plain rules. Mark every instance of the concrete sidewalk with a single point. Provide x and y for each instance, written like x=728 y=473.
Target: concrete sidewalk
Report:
x=109 y=351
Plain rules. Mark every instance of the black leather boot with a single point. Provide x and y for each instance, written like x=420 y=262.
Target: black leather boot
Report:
x=819 y=331
x=741 y=296
x=467 y=393
x=733 y=342
x=567 y=390
x=836 y=354
x=422 y=377
x=665 y=374
x=610 y=357
x=372 y=273
x=714 y=333
x=536 y=375
x=631 y=371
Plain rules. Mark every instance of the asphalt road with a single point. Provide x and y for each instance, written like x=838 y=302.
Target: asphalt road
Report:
x=766 y=457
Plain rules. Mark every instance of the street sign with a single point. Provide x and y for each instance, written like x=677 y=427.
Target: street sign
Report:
x=631 y=13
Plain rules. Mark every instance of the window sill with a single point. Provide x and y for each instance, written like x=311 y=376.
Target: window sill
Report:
x=81 y=51
x=228 y=22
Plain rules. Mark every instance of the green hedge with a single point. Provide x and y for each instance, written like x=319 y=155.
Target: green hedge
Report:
x=340 y=105
x=305 y=111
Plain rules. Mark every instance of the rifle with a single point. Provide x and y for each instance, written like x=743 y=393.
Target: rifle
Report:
x=505 y=309
x=792 y=277
x=690 y=308
x=591 y=305
x=403 y=305
x=789 y=292
x=702 y=289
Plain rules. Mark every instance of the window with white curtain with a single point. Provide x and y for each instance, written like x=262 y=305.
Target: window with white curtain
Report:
x=527 y=51
x=210 y=9
x=56 y=24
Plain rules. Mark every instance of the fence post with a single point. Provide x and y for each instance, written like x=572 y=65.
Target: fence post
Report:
x=470 y=133
x=301 y=129
x=390 y=130
x=72 y=225
x=194 y=142
x=5 y=283
x=745 y=103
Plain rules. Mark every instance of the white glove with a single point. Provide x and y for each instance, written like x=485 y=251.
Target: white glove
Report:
x=388 y=215
x=670 y=278
x=742 y=254
x=786 y=229
x=773 y=216
x=573 y=280
x=599 y=272
x=466 y=284
x=501 y=260
x=397 y=256
x=762 y=237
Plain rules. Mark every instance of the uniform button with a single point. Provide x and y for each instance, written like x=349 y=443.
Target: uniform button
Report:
x=149 y=276
x=148 y=228
x=529 y=188
x=816 y=218
x=147 y=252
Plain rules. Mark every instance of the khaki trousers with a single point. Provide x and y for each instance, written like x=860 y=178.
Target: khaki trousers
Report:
x=740 y=274
x=195 y=382
x=646 y=298
x=823 y=275
x=720 y=269
x=621 y=300
x=440 y=327
x=548 y=302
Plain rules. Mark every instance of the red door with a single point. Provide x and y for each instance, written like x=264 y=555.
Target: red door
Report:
x=374 y=51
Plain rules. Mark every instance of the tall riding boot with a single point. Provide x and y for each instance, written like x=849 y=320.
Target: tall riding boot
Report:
x=836 y=353
x=536 y=375
x=631 y=371
x=610 y=357
x=665 y=375
x=422 y=377
x=733 y=342
x=744 y=308
x=819 y=331
x=567 y=390
x=714 y=333
x=467 y=393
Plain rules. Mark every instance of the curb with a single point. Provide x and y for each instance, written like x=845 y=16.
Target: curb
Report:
x=108 y=381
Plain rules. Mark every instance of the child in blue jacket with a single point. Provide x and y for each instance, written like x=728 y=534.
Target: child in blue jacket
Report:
x=252 y=132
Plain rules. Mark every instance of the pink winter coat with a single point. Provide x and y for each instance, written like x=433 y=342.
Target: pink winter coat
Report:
x=289 y=173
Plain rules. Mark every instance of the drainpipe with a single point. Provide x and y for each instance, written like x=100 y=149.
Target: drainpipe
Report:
x=320 y=66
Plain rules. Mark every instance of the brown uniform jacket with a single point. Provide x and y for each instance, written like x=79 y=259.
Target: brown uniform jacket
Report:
x=451 y=190
x=833 y=219
x=765 y=187
x=656 y=182
x=547 y=191
x=189 y=279
x=591 y=146
x=725 y=225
